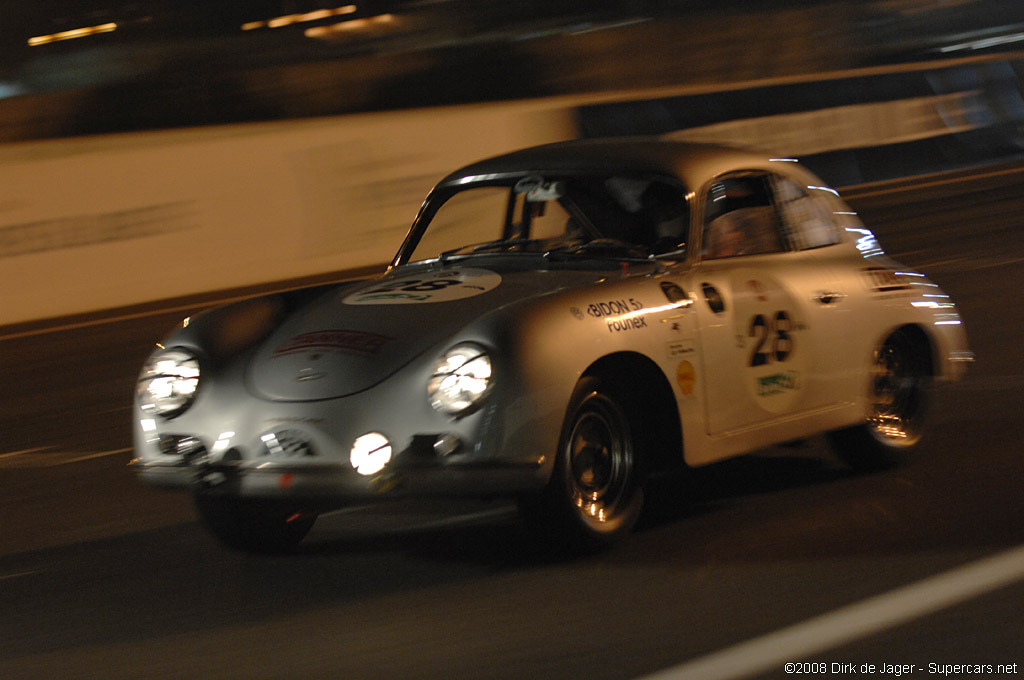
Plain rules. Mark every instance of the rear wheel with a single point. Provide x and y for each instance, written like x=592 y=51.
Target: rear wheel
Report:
x=253 y=527
x=900 y=385
x=595 y=495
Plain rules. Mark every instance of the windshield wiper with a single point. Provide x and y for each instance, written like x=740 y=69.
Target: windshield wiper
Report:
x=500 y=244
x=601 y=249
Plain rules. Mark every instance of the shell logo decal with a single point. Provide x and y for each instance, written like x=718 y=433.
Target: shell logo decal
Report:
x=435 y=286
x=686 y=378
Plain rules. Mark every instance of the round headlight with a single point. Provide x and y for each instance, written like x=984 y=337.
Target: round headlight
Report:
x=461 y=378
x=370 y=453
x=168 y=383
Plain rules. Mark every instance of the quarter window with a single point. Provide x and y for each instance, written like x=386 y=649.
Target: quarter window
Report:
x=807 y=216
x=740 y=218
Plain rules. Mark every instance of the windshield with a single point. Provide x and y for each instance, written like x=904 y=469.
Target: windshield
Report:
x=612 y=217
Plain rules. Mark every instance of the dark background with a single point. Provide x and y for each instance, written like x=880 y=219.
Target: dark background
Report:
x=174 y=63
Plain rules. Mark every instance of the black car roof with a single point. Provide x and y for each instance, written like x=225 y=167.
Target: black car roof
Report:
x=687 y=161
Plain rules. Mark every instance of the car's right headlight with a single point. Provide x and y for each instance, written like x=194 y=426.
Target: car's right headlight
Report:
x=461 y=379
x=168 y=382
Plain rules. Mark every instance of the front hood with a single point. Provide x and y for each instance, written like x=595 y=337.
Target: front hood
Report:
x=348 y=339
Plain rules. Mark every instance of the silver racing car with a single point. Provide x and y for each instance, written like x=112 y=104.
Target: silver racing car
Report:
x=560 y=323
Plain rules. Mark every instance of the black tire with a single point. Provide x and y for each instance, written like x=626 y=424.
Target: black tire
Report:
x=899 y=393
x=253 y=527
x=596 y=494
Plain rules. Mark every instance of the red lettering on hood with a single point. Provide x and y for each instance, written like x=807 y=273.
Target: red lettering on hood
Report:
x=353 y=342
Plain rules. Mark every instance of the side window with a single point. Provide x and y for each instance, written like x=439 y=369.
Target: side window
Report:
x=665 y=215
x=807 y=216
x=740 y=218
x=640 y=211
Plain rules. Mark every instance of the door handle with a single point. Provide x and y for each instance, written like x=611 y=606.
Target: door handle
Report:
x=828 y=297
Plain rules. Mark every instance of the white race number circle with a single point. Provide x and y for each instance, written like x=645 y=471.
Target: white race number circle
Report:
x=769 y=339
x=433 y=286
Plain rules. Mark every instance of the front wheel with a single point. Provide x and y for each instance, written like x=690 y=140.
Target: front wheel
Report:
x=253 y=527
x=595 y=495
x=900 y=385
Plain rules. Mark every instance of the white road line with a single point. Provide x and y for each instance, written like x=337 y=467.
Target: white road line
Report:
x=43 y=457
x=90 y=456
x=853 y=622
x=4 y=577
x=23 y=452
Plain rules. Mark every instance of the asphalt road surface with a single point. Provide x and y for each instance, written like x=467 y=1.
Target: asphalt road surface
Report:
x=783 y=556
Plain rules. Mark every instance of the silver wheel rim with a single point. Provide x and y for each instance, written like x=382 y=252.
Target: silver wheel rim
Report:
x=599 y=460
x=897 y=393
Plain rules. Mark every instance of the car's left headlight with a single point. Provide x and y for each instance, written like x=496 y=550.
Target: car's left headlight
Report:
x=460 y=379
x=168 y=382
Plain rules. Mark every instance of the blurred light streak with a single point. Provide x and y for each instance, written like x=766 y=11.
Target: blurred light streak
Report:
x=593 y=28
x=351 y=25
x=72 y=34
x=867 y=244
x=984 y=43
x=17 y=575
x=11 y=90
x=290 y=19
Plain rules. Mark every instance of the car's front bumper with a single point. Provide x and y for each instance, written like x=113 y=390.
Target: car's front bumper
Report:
x=336 y=483
x=301 y=453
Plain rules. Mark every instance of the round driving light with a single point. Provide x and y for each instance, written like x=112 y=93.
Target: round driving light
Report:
x=461 y=378
x=370 y=453
x=168 y=382
x=447 y=444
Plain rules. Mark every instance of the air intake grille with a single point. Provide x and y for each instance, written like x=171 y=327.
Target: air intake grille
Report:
x=286 y=444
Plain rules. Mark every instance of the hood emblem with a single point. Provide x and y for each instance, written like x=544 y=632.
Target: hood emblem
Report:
x=308 y=373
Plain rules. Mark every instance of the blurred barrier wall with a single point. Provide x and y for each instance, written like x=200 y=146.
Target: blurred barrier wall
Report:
x=108 y=221
x=849 y=129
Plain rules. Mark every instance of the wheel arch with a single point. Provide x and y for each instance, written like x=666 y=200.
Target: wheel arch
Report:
x=921 y=339
x=645 y=385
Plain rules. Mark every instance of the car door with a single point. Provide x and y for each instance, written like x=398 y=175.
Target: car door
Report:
x=762 y=322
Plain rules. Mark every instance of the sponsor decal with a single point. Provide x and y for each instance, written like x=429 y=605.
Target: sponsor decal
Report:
x=625 y=314
x=681 y=348
x=758 y=289
x=443 y=286
x=625 y=323
x=777 y=383
x=614 y=307
x=686 y=378
x=345 y=341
